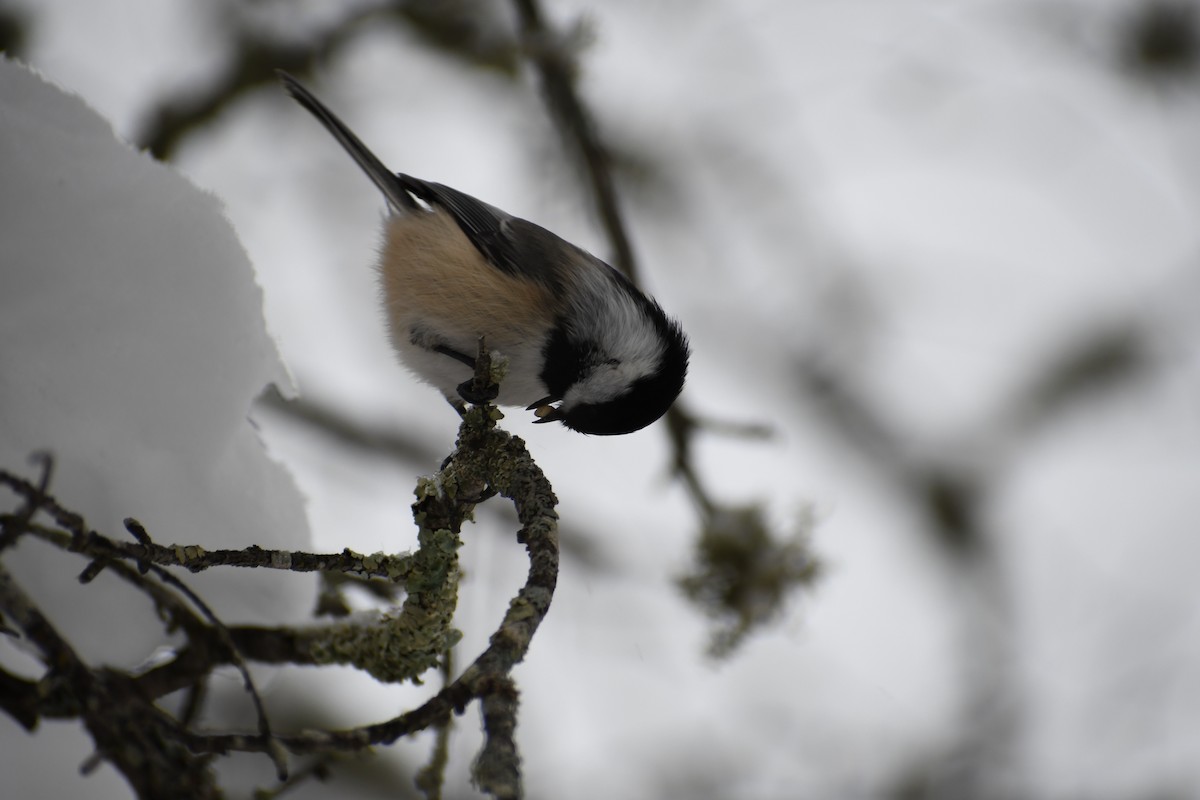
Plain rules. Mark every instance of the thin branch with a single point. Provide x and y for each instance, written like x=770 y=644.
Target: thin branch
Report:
x=395 y=646
x=130 y=733
x=347 y=431
x=551 y=57
x=550 y=53
x=485 y=460
x=392 y=568
x=497 y=770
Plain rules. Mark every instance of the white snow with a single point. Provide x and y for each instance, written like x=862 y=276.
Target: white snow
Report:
x=132 y=345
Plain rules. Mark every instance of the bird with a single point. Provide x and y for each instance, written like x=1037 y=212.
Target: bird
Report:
x=585 y=346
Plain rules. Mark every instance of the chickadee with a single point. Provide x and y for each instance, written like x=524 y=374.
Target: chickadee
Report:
x=575 y=331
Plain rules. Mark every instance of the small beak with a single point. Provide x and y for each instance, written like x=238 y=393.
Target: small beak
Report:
x=547 y=414
x=544 y=411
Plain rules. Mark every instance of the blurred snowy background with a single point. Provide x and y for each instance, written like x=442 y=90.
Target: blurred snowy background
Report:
x=948 y=251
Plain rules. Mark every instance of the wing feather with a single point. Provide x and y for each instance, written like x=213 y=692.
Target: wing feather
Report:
x=512 y=245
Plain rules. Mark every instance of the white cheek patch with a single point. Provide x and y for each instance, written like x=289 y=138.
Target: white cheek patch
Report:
x=619 y=326
x=608 y=381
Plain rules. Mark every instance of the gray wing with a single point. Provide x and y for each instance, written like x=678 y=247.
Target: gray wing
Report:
x=512 y=245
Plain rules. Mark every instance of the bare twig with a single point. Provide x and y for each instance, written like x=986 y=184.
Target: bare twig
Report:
x=555 y=65
x=328 y=420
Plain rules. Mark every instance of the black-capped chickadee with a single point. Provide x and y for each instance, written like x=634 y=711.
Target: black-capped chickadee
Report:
x=575 y=331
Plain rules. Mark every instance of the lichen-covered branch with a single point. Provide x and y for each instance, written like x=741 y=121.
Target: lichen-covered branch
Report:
x=486 y=461
x=155 y=749
x=129 y=732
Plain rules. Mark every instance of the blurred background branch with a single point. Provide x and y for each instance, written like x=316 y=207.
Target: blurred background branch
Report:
x=745 y=567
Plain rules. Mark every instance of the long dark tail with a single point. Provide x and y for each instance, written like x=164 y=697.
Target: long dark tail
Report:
x=388 y=183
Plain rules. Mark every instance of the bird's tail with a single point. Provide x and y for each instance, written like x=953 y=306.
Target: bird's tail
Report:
x=388 y=183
